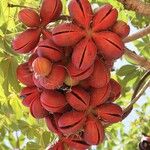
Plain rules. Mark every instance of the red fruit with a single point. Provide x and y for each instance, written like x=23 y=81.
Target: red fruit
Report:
x=50 y=10
x=115 y=90
x=81 y=12
x=29 y=17
x=71 y=122
x=28 y=94
x=109 y=63
x=109 y=44
x=78 y=98
x=100 y=76
x=52 y=123
x=121 y=28
x=93 y=132
x=26 y=41
x=31 y=59
x=77 y=74
x=76 y=143
x=67 y=34
x=49 y=50
x=37 y=109
x=100 y=95
x=37 y=82
x=104 y=18
x=41 y=66
x=46 y=34
x=70 y=82
x=24 y=75
x=84 y=54
x=85 y=84
x=53 y=101
x=55 y=79
x=110 y=113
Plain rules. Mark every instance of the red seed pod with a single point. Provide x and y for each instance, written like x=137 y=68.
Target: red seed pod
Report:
x=29 y=17
x=31 y=59
x=81 y=12
x=50 y=51
x=77 y=74
x=104 y=18
x=85 y=84
x=70 y=82
x=84 y=54
x=76 y=142
x=71 y=122
x=46 y=34
x=110 y=112
x=100 y=76
x=24 y=75
x=93 y=131
x=52 y=123
x=26 y=41
x=115 y=90
x=41 y=66
x=50 y=10
x=55 y=79
x=37 y=82
x=100 y=95
x=121 y=28
x=67 y=34
x=28 y=94
x=109 y=44
x=109 y=63
x=53 y=101
x=37 y=109
x=58 y=146
x=78 y=98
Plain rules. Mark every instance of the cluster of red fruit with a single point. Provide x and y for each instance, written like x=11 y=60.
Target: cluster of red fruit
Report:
x=67 y=76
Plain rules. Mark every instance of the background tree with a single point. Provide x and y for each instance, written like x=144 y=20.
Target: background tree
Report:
x=19 y=130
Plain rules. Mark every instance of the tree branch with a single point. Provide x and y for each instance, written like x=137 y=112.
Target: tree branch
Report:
x=137 y=6
x=139 y=34
x=140 y=89
x=130 y=106
x=139 y=60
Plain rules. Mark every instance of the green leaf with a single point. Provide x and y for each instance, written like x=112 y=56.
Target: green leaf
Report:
x=46 y=138
x=8 y=68
x=32 y=146
x=123 y=71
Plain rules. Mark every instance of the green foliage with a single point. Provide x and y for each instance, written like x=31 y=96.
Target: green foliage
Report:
x=18 y=129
